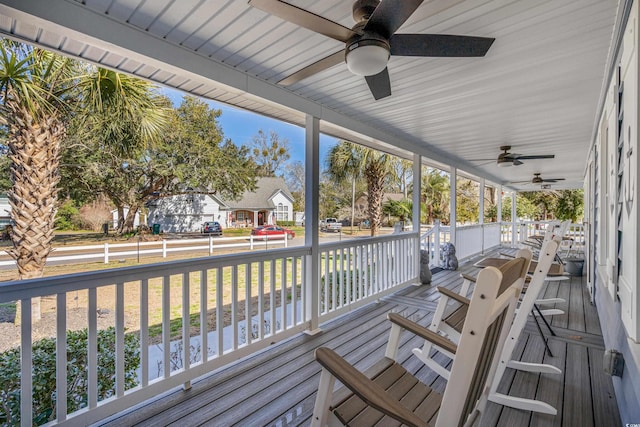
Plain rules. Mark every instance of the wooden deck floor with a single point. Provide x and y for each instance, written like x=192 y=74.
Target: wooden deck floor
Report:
x=277 y=387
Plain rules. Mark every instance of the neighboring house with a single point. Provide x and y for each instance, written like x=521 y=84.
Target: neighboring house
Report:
x=186 y=212
x=269 y=203
x=5 y=211
x=139 y=219
x=362 y=205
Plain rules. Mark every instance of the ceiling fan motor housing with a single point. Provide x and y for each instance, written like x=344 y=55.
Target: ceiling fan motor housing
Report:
x=362 y=9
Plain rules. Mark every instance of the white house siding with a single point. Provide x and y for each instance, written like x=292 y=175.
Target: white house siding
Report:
x=616 y=219
x=287 y=206
x=5 y=211
x=185 y=213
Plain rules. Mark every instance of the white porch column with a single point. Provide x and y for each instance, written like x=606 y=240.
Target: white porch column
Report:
x=481 y=199
x=514 y=220
x=499 y=213
x=481 y=213
x=311 y=198
x=417 y=192
x=453 y=191
x=255 y=219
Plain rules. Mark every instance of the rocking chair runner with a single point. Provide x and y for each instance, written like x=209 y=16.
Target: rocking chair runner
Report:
x=389 y=392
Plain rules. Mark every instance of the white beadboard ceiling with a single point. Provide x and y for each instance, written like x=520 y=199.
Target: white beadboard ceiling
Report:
x=538 y=89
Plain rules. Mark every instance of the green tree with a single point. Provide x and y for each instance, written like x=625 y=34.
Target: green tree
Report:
x=270 y=153
x=192 y=156
x=525 y=209
x=294 y=177
x=344 y=165
x=118 y=117
x=467 y=201
x=435 y=195
x=570 y=205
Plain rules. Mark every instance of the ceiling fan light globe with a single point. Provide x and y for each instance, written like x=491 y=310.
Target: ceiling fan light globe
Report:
x=367 y=57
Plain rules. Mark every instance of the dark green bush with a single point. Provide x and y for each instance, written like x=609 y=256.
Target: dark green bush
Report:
x=286 y=223
x=44 y=374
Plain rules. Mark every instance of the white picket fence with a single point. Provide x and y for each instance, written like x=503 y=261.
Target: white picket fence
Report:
x=109 y=251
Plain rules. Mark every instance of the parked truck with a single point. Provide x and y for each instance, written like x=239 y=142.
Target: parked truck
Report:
x=330 y=224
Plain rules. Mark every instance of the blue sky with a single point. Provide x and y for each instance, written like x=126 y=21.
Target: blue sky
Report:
x=241 y=125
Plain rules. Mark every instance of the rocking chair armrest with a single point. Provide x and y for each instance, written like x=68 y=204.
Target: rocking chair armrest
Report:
x=507 y=255
x=423 y=332
x=465 y=276
x=450 y=294
x=366 y=389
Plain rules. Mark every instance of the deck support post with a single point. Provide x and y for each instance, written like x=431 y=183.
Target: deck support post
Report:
x=311 y=283
x=415 y=198
x=453 y=191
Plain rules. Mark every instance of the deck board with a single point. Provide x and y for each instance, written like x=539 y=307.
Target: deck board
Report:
x=277 y=386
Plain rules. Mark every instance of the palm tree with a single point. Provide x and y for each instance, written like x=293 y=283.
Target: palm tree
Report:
x=38 y=89
x=374 y=165
x=32 y=87
x=435 y=194
x=342 y=164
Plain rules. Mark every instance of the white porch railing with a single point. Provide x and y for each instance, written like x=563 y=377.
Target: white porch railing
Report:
x=475 y=239
x=190 y=317
x=355 y=272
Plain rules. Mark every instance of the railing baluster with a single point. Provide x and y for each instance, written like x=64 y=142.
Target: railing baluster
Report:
x=367 y=271
x=219 y=311
x=166 y=326
x=26 y=362
x=248 y=319
x=326 y=288
x=294 y=296
x=261 y=300
x=272 y=297
x=234 y=305
x=186 y=325
x=204 y=324
x=144 y=331
x=334 y=280
x=283 y=293
x=120 y=349
x=92 y=349
x=61 y=356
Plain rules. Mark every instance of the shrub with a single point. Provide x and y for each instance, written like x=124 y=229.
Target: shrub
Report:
x=286 y=223
x=44 y=374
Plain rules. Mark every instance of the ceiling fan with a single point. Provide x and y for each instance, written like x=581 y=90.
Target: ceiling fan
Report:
x=506 y=158
x=372 y=40
x=537 y=179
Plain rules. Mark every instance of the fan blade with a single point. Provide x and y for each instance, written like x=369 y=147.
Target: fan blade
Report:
x=379 y=84
x=553 y=179
x=440 y=45
x=390 y=15
x=305 y=19
x=316 y=67
x=542 y=156
x=516 y=162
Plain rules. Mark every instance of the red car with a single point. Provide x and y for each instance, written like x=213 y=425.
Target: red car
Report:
x=272 y=232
